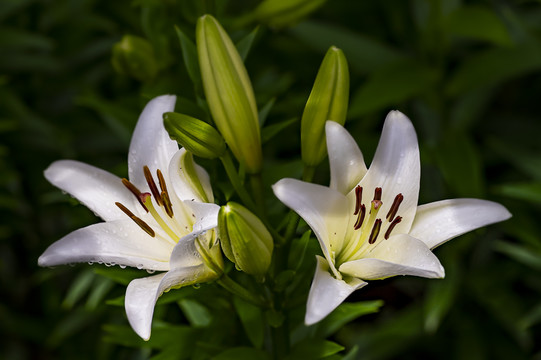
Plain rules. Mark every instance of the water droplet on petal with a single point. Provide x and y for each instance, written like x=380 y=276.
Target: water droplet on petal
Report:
x=151 y=271
x=122 y=266
x=196 y=286
x=139 y=266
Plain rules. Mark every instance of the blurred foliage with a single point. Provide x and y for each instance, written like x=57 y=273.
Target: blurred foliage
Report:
x=466 y=72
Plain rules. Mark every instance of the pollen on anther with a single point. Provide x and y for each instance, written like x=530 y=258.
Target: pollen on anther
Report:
x=360 y=218
x=152 y=185
x=135 y=191
x=391 y=227
x=358 y=199
x=377 y=193
x=394 y=208
x=375 y=231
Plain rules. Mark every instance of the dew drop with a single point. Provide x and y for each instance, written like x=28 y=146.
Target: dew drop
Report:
x=196 y=286
x=139 y=266
x=91 y=263
x=122 y=266
x=151 y=271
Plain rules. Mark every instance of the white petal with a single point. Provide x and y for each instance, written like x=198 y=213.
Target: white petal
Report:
x=142 y=294
x=399 y=255
x=345 y=158
x=396 y=168
x=327 y=292
x=324 y=209
x=121 y=242
x=182 y=184
x=97 y=189
x=440 y=221
x=206 y=215
x=150 y=144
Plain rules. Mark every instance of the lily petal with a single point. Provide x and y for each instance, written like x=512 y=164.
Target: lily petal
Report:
x=440 y=221
x=327 y=292
x=150 y=144
x=345 y=158
x=183 y=185
x=399 y=255
x=206 y=215
x=396 y=168
x=142 y=294
x=97 y=189
x=120 y=242
x=321 y=207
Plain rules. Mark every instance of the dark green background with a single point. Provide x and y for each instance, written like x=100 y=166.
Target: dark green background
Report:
x=467 y=73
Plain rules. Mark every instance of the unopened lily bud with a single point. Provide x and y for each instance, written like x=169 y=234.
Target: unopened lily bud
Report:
x=195 y=135
x=229 y=92
x=328 y=101
x=245 y=240
x=282 y=13
x=134 y=56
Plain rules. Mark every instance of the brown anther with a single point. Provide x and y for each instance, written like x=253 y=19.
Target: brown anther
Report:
x=135 y=191
x=394 y=208
x=152 y=185
x=375 y=231
x=377 y=193
x=167 y=204
x=143 y=225
x=161 y=180
x=360 y=218
x=358 y=199
x=391 y=227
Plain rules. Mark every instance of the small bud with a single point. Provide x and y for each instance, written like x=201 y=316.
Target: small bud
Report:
x=328 y=101
x=195 y=135
x=282 y=13
x=229 y=92
x=245 y=240
x=134 y=56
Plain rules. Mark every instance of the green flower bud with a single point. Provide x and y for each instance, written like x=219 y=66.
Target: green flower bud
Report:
x=282 y=13
x=134 y=56
x=245 y=240
x=195 y=135
x=229 y=92
x=328 y=101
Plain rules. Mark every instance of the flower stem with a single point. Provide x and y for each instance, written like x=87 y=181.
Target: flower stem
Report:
x=229 y=167
x=258 y=192
x=235 y=288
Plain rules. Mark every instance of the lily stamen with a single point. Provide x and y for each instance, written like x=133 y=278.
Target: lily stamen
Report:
x=358 y=199
x=391 y=227
x=146 y=197
x=135 y=191
x=143 y=225
x=152 y=185
x=360 y=218
x=394 y=208
x=375 y=231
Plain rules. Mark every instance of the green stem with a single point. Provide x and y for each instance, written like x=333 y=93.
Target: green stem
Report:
x=258 y=192
x=229 y=167
x=235 y=288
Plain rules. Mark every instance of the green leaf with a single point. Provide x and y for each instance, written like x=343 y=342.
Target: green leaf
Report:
x=101 y=288
x=524 y=160
x=264 y=111
x=522 y=191
x=440 y=298
x=197 y=314
x=268 y=132
x=479 y=23
x=393 y=84
x=298 y=250
x=520 y=253
x=344 y=314
x=460 y=165
x=189 y=55
x=118 y=275
x=245 y=44
x=314 y=349
x=494 y=66
x=243 y=353
x=364 y=53
x=283 y=280
x=78 y=289
x=252 y=321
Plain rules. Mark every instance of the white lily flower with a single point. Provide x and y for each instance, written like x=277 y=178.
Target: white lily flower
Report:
x=368 y=223
x=161 y=219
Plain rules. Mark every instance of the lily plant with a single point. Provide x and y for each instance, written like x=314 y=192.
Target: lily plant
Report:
x=161 y=219
x=367 y=221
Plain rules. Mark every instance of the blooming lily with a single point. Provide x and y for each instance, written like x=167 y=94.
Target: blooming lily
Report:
x=367 y=221
x=161 y=219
